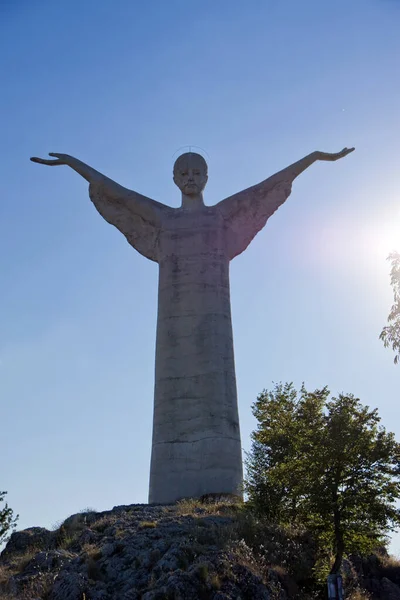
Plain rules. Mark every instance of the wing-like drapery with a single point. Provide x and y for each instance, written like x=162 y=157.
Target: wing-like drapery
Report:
x=247 y=212
x=137 y=217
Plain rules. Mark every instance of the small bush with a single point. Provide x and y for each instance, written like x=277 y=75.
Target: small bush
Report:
x=104 y=523
x=389 y=563
x=88 y=510
x=64 y=538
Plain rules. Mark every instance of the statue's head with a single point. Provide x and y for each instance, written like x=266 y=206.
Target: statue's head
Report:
x=190 y=173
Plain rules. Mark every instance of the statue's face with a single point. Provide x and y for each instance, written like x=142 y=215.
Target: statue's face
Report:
x=190 y=173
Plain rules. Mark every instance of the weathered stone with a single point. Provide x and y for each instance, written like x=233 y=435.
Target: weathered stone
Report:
x=194 y=558
x=108 y=549
x=80 y=520
x=390 y=591
x=47 y=561
x=196 y=446
x=69 y=586
x=20 y=542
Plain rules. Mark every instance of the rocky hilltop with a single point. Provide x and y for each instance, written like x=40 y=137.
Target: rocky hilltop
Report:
x=187 y=551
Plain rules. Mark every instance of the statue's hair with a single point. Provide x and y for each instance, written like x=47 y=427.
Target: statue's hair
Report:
x=188 y=157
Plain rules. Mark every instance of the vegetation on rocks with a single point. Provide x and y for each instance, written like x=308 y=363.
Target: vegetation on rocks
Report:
x=322 y=484
x=325 y=464
x=192 y=550
x=7 y=519
x=189 y=550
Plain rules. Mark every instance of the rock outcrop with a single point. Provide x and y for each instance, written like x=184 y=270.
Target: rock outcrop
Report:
x=187 y=551
x=136 y=552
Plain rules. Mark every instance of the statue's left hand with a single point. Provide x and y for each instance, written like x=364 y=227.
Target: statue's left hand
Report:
x=62 y=159
x=334 y=156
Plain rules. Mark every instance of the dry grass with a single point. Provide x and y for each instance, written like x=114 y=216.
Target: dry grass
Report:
x=257 y=545
x=359 y=594
x=104 y=523
x=92 y=551
x=389 y=567
x=92 y=554
x=16 y=565
x=148 y=524
x=215 y=582
x=120 y=534
x=192 y=506
x=389 y=561
x=65 y=538
x=19 y=562
x=38 y=588
x=5 y=574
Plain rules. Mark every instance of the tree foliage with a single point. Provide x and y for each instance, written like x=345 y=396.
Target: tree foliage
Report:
x=7 y=519
x=390 y=334
x=327 y=464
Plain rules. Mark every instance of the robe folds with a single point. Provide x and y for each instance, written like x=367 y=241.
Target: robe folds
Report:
x=196 y=447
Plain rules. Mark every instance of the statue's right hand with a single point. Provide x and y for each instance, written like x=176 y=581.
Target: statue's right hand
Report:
x=62 y=159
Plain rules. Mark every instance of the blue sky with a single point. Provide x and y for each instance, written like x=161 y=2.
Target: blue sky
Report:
x=122 y=85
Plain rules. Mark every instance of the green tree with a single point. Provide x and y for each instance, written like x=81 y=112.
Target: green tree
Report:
x=326 y=464
x=7 y=519
x=390 y=334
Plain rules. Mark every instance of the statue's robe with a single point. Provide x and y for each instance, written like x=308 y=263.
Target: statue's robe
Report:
x=196 y=448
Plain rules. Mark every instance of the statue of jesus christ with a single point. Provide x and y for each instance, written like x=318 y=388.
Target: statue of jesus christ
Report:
x=196 y=447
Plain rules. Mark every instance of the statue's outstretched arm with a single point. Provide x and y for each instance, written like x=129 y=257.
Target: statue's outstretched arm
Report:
x=272 y=192
x=104 y=189
x=247 y=212
x=294 y=170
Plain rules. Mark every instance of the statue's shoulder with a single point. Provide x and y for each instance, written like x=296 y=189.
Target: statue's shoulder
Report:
x=164 y=208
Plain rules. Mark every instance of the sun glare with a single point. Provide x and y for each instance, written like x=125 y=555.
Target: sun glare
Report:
x=386 y=237
x=348 y=244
